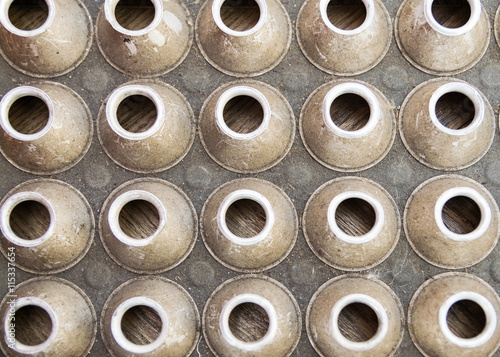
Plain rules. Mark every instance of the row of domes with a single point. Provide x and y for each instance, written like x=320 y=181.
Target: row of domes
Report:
x=349 y=315
x=242 y=39
x=245 y=126
x=249 y=225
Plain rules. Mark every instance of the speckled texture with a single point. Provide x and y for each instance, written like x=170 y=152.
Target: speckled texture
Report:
x=298 y=175
x=73 y=233
x=152 y=54
x=263 y=255
x=163 y=149
x=430 y=242
x=183 y=326
x=73 y=310
x=57 y=51
x=423 y=315
x=336 y=252
x=343 y=55
x=318 y=317
x=174 y=241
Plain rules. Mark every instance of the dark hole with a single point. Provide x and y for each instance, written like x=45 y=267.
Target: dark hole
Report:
x=139 y=219
x=240 y=15
x=135 y=15
x=451 y=13
x=33 y=325
x=28 y=15
x=141 y=325
x=243 y=114
x=249 y=322
x=358 y=322
x=28 y=115
x=466 y=319
x=355 y=216
x=455 y=110
x=137 y=113
x=350 y=112
x=346 y=14
x=245 y=218
x=461 y=215
x=30 y=220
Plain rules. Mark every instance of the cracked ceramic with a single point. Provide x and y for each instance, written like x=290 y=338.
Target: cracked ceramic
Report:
x=442 y=138
x=52 y=49
x=146 y=126
x=335 y=228
x=269 y=243
x=430 y=224
x=246 y=51
x=329 y=334
x=347 y=125
x=429 y=314
x=148 y=225
x=429 y=43
x=73 y=322
x=46 y=128
x=246 y=126
x=272 y=298
x=48 y=223
x=344 y=49
x=174 y=307
x=145 y=49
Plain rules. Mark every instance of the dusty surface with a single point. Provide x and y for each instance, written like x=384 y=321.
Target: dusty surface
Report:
x=299 y=175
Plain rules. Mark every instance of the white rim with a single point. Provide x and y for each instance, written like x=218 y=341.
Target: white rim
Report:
x=6 y=210
x=339 y=233
x=370 y=14
x=471 y=93
x=383 y=322
x=119 y=95
x=228 y=336
x=484 y=207
x=116 y=328
x=32 y=301
x=117 y=206
x=489 y=311
x=475 y=7
x=234 y=92
x=9 y=26
x=216 y=6
x=241 y=195
x=351 y=88
x=109 y=13
x=18 y=93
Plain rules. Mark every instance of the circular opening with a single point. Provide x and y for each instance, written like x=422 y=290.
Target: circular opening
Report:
x=33 y=325
x=358 y=322
x=466 y=319
x=136 y=113
x=141 y=325
x=29 y=220
x=240 y=15
x=135 y=15
x=451 y=13
x=249 y=322
x=28 y=115
x=245 y=218
x=355 y=216
x=243 y=114
x=28 y=15
x=346 y=14
x=455 y=110
x=350 y=112
x=461 y=215
x=139 y=219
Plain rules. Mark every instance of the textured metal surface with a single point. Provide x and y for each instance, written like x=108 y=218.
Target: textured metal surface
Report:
x=299 y=175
